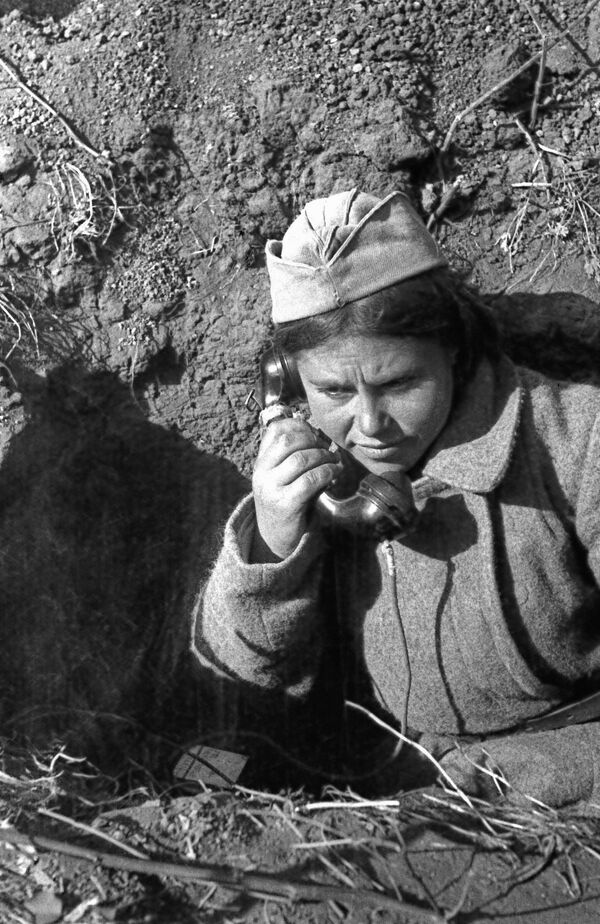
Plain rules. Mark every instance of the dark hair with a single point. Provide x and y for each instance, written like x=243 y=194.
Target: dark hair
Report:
x=436 y=304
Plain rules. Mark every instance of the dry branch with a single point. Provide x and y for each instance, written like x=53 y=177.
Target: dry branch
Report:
x=538 y=84
x=95 y=832
x=481 y=99
x=540 y=77
x=260 y=884
x=75 y=135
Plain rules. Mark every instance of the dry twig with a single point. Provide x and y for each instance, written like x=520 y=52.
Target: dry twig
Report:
x=484 y=96
x=542 y=66
x=538 y=84
x=446 y=201
x=88 y=829
x=260 y=884
x=73 y=133
x=539 y=160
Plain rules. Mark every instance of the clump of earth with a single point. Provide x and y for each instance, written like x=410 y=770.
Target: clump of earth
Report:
x=147 y=152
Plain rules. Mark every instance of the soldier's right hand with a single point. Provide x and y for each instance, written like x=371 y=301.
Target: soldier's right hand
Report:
x=292 y=467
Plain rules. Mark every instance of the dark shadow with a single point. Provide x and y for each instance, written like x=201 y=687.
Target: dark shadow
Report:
x=309 y=743
x=557 y=333
x=108 y=525
x=39 y=9
x=153 y=168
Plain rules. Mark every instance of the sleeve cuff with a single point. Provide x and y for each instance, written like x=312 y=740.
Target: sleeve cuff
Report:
x=273 y=577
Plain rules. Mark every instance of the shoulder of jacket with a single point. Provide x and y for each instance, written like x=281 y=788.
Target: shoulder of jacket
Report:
x=559 y=406
x=560 y=422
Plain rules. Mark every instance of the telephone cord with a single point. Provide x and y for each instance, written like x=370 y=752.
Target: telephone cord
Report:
x=388 y=551
x=348 y=777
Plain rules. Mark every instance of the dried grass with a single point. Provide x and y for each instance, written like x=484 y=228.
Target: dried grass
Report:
x=32 y=779
x=558 y=210
x=354 y=847
x=16 y=319
x=85 y=209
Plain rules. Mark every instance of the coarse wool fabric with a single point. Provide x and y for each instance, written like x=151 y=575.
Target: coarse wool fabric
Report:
x=497 y=591
x=557 y=767
x=344 y=247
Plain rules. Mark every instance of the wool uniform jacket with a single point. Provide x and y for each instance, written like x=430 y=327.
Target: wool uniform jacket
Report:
x=491 y=607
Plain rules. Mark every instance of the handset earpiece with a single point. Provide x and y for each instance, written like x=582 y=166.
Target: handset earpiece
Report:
x=280 y=382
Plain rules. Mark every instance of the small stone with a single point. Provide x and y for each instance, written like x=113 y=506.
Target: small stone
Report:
x=251 y=182
x=113 y=309
x=155 y=308
x=267 y=208
x=15 y=157
x=584 y=114
x=501 y=201
x=392 y=146
x=357 y=68
x=310 y=140
x=45 y=906
x=429 y=198
x=562 y=59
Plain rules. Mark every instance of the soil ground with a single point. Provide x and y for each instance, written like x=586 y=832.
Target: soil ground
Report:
x=147 y=151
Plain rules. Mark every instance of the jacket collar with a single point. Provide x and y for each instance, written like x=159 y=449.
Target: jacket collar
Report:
x=474 y=449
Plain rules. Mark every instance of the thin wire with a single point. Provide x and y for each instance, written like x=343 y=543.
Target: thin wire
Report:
x=388 y=550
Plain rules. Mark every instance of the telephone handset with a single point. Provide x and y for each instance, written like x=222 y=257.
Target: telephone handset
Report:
x=359 y=501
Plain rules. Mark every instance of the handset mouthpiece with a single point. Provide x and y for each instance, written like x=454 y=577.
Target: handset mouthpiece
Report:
x=369 y=505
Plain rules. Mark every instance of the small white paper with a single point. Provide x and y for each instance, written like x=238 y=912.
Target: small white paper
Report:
x=212 y=766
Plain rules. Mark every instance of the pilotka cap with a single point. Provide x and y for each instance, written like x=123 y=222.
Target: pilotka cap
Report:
x=345 y=247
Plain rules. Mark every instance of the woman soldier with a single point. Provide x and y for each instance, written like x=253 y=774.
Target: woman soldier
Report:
x=465 y=629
